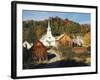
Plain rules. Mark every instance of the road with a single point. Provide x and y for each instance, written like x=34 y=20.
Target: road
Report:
x=58 y=56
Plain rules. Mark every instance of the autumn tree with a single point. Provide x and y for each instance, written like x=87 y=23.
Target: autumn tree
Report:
x=87 y=40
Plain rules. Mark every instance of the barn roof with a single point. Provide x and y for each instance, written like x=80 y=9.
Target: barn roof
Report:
x=64 y=36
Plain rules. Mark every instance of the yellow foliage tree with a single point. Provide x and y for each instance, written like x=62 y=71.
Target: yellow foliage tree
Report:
x=38 y=31
x=87 y=39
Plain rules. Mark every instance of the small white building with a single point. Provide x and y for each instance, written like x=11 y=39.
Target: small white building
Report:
x=78 y=40
x=48 y=39
x=27 y=45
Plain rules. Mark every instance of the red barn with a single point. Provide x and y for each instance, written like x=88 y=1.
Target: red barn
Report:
x=39 y=51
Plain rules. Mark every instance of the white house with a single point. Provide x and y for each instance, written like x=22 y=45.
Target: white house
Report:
x=78 y=40
x=48 y=39
x=27 y=45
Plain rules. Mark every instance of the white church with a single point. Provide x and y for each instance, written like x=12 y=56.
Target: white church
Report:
x=48 y=39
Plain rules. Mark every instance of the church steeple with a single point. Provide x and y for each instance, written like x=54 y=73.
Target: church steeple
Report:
x=48 y=39
x=48 y=29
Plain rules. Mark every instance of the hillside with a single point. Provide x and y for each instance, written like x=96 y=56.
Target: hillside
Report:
x=35 y=29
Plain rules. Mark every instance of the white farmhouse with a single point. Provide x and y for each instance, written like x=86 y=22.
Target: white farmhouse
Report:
x=27 y=45
x=48 y=39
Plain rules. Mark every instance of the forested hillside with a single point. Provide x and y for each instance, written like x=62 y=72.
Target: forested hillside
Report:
x=33 y=30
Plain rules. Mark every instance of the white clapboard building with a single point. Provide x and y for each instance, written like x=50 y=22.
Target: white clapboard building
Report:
x=48 y=39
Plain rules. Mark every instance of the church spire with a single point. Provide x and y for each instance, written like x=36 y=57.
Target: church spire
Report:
x=48 y=39
x=48 y=29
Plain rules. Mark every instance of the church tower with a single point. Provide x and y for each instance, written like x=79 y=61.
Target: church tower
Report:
x=49 y=29
x=48 y=39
